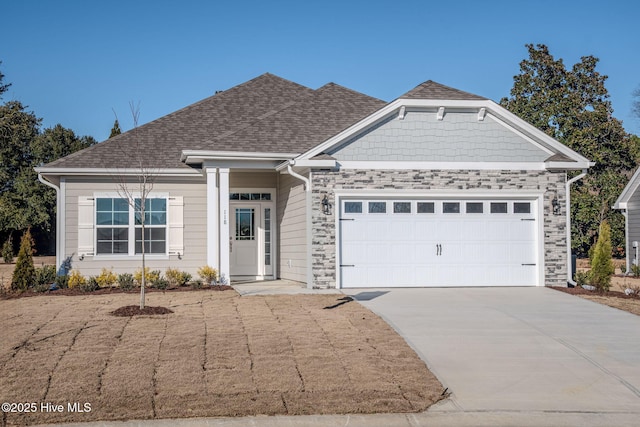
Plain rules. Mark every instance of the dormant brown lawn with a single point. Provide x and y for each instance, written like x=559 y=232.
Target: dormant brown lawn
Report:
x=218 y=354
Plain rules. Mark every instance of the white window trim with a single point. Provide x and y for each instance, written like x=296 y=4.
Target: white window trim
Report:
x=131 y=255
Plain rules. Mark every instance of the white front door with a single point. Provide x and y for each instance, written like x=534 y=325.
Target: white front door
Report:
x=244 y=240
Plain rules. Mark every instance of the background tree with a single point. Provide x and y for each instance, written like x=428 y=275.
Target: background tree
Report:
x=573 y=107
x=25 y=203
x=3 y=87
x=115 y=130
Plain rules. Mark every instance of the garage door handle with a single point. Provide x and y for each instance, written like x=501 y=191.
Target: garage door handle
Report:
x=527 y=219
x=347 y=265
x=529 y=264
x=347 y=219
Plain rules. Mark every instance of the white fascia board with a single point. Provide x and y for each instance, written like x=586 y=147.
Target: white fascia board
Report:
x=568 y=165
x=198 y=156
x=308 y=164
x=405 y=165
x=113 y=171
x=629 y=190
x=524 y=126
x=472 y=193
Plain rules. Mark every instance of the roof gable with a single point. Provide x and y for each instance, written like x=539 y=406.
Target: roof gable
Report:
x=629 y=193
x=434 y=90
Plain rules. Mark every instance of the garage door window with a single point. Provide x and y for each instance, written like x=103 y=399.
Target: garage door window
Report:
x=475 y=207
x=451 y=207
x=352 y=207
x=426 y=207
x=498 y=207
x=521 y=207
x=377 y=207
x=401 y=207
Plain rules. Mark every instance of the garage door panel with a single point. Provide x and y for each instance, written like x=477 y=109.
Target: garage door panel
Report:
x=437 y=249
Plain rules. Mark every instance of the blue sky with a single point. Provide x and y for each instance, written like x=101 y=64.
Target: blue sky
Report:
x=76 y=62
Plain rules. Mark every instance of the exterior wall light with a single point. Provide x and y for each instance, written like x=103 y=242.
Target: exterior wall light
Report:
x=326 y=206
x=555 y=205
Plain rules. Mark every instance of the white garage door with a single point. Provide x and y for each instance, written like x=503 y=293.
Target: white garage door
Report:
x=404 y=243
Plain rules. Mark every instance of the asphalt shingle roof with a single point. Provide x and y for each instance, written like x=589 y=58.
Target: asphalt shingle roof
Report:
x=433 y=90
x=266 y=114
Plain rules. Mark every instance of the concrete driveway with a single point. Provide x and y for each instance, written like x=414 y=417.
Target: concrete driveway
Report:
x=528 y=351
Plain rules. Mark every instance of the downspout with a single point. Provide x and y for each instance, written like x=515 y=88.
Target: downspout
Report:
x=568 y=192
x=307 y=189
x=58 y=219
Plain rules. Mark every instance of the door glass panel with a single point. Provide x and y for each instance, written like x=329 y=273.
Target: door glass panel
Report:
x=245 y=224
x=451 y=207
x=426 y=207
x=498 y=207
x=474 y=207
x=353 y=207
x=267 y=236
x=377 y=207
x=401 y=207
x=521 y=207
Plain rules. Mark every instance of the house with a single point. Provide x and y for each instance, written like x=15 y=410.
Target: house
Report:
x=629 y=204
x=329 y=187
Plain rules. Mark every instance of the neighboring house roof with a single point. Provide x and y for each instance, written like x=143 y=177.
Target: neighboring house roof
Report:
x=267 y=113
x=433 y=90
x=629 y=190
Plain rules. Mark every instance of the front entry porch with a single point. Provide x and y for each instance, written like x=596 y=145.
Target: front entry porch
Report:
x=241 y=224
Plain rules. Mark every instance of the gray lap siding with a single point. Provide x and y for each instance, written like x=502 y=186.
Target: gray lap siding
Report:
x=328 y=182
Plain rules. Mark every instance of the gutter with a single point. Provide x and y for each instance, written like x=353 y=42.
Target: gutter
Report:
x=58 y=219
x=568 y=226
x=307 y=189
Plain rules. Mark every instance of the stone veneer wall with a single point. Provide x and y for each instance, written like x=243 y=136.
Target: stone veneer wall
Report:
x=326 y=182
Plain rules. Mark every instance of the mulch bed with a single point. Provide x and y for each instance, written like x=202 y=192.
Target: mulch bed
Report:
x=135 y=310
x=107 y=291
x=581 y=291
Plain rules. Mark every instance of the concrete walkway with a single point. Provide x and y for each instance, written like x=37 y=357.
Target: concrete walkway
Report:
x=277 y=287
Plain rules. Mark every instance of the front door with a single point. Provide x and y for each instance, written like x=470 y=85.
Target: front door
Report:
x=244 y=240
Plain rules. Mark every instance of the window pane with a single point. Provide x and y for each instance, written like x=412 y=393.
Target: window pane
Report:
x=499 y=207
x=255 y=196
x=104 y=218
x=104 y=204
x=158 y=218
x=377 y=207
x=451 y=207
x=426 y=207
x=104 y=248
x=245 y=224
x=352 y=207
x=475 y=207
x=401 y=207
x=522 y=207
x=112 y=240
x=244 y=196
x=120 y=205
x=234 y=196
x=120 y=247
x=266 y=196
x=159 y=205
x=121 y=218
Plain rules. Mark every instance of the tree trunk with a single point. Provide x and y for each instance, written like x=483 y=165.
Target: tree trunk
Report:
x=144 y=272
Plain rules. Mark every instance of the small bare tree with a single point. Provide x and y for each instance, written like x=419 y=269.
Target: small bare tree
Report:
x=134 y=184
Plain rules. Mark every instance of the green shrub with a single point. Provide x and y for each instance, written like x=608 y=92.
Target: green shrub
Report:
x=62 y=281
x=602 y=267
x=106 y=279
x=7 y=250
x=76 y=280
x=635 y=270
x=208 y=274
x=196 y=284
x=176 y=277
x=582 y=278
x=24 y=273
x=160 y=283
x=126 y=281
x=90 y=285
x=45 y=275
x=150 y=276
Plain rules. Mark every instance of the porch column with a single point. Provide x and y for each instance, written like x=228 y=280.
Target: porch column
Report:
x=212 y=217
x=224 y=223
